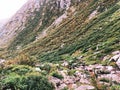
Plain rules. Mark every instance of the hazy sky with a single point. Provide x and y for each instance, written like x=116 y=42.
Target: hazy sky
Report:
x=9 y=7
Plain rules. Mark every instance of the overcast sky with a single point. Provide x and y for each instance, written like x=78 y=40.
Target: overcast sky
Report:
x=9 y=7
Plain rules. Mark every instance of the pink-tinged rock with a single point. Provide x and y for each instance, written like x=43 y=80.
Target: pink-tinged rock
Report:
x=116 y=52
x=115 y=57
x=85 y=87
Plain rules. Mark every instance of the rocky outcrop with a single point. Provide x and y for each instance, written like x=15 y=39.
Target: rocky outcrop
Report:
x=85 y=87
x=116 y=58
x=17 y=23
x=2 y=62
x=27 y=14
x=81 y=78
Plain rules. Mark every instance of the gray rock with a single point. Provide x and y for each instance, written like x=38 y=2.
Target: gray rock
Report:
x=109 y=68
x=69 y=80
x=116 y=52
x=84 y=81
x=62 y=86
x=65 y=64
x=111 y=77
x=74 y=86
x=37 y=69
x=115 y=57
x=80 y=57
x=55 y=82
x=118 y=62
x=85 y=87
x=106 y=57
x=2 y=61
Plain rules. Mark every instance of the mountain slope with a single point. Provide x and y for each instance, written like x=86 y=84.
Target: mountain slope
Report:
x=95 y=25
x=33 y=16
x=62 y=44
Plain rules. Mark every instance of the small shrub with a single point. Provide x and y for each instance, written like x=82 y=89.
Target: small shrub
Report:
x=108 y=50
x=105 y=72
x=105 y=80
x=115 y=87
x=22 y=69
x=55 y=74
x=105 y=62
x=65 y=88
x=71 y=72
x=46 y=67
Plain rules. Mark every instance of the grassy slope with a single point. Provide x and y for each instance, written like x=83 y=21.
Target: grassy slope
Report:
x=81 y=35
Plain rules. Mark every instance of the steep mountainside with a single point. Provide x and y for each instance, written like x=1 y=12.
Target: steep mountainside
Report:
x=53 y=31
x=90 y=27
x=35 y=15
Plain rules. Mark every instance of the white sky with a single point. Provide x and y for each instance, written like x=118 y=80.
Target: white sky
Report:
x=9 y=7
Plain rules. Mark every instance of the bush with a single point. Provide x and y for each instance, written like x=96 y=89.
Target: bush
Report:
x=31 y=81
x=21 y=69
x=108 y=49
x=105 y=72
x=23 y=77
x=115 y=87
x=55 y=74
x=22 y=59
x=71 y=72
x=105 y=63
x=105 y=80
x=46 y=67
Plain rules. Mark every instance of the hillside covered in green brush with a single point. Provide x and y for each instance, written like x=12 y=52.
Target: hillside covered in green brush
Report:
x=58 y=35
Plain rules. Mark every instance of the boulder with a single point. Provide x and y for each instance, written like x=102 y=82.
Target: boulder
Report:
x=80 y=57
x=74 y=86
x=85 y=87
x=84 y=81
x=106 y=57
x=111 y=77
x=56 y=82
x=78 y=73
x=98 y=66
x=116 y=52
x=115 y=57
x=69 y=80
x=118 y=63
x=65 y=64
x=109 y=68
x=37 y=69
x=2 y=61
x=63 y=73
x=62 y=86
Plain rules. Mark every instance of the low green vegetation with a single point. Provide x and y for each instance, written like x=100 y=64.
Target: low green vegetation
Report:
x=57 y=75
x=95 y=38
x=22 y=77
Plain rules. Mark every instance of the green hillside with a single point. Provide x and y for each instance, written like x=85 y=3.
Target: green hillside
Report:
x=91 y=32
x=79 y=33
